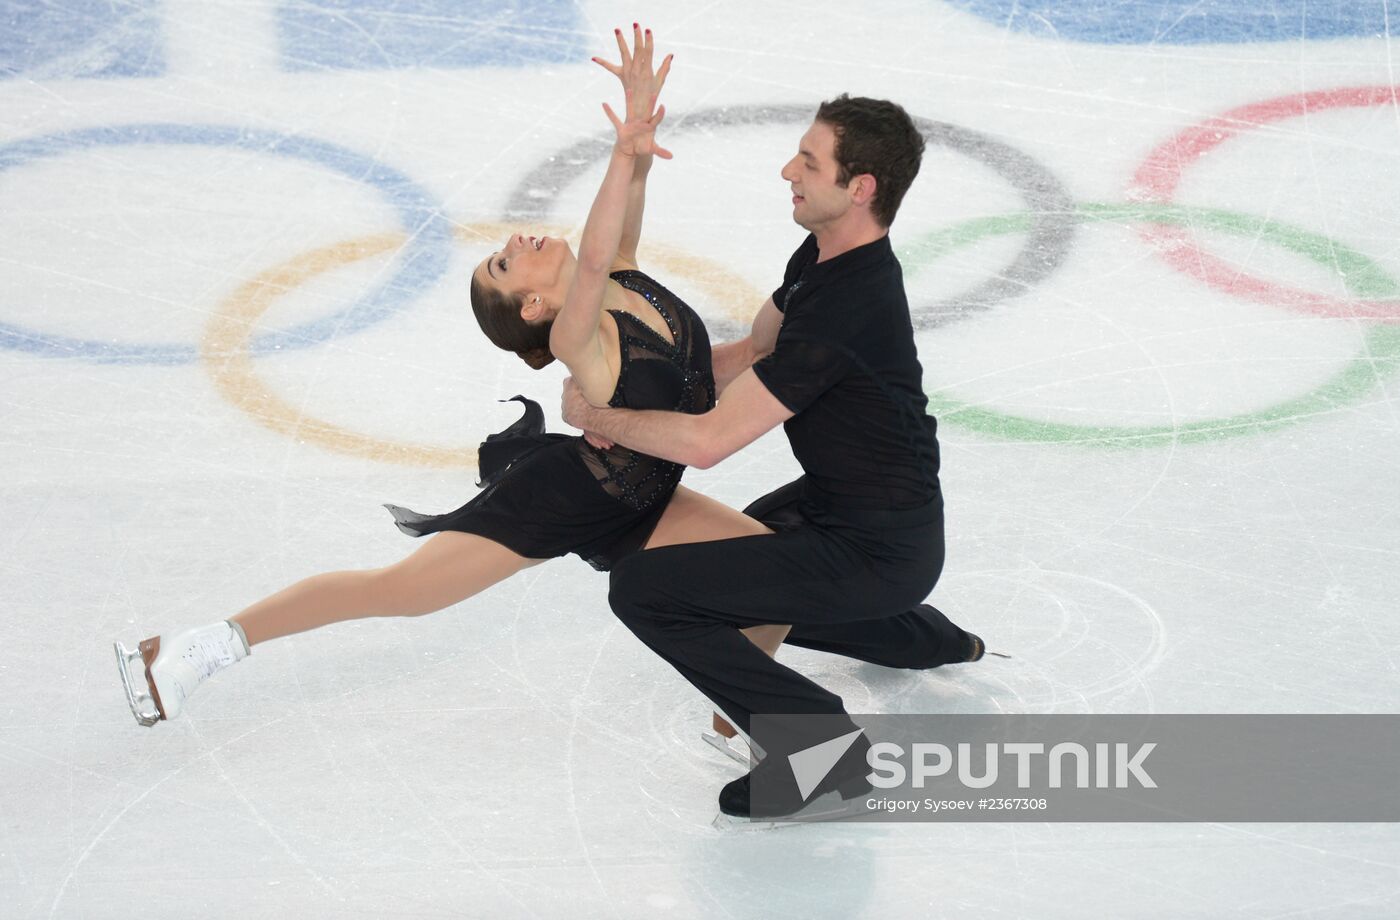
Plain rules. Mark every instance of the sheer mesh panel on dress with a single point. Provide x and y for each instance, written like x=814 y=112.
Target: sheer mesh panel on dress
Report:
x=667 y=374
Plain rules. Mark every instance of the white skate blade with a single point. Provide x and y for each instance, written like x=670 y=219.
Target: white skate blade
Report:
x=143 y=706
x=728 y=824
x=726 y=746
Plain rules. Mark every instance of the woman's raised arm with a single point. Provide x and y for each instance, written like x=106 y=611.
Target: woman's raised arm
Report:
x=637 y=190
x=574 y=337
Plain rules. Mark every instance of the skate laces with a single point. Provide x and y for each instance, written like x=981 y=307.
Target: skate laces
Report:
x=209 y=654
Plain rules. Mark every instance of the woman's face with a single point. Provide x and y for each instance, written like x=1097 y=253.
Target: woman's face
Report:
x=529 y=266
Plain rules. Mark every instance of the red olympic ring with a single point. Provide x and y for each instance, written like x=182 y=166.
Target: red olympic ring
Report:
x=1160 y=174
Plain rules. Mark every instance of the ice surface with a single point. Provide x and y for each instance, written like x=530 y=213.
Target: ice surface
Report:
x=1165 y=494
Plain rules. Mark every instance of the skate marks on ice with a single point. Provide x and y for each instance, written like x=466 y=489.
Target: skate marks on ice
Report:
x=1078 y=643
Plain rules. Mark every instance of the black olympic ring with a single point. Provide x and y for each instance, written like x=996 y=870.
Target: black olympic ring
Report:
x=1048 y=241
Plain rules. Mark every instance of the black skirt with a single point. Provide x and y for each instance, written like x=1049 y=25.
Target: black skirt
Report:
x=539 y=500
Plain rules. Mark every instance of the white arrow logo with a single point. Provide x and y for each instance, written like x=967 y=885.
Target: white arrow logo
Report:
x=810 y=766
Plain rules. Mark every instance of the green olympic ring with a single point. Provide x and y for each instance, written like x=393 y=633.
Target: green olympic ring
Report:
x=1362 y=277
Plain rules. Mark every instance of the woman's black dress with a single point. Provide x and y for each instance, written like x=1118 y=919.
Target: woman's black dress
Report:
x=545 y=495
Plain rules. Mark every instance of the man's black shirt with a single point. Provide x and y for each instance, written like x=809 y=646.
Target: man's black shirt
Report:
x=846 y=364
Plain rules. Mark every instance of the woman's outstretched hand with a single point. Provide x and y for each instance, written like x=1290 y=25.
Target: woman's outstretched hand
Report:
x=636 y=135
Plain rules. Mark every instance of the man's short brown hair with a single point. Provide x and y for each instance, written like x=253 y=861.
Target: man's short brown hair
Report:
x=878 y=137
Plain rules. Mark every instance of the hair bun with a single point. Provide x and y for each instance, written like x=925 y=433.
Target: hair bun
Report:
x=536 y=357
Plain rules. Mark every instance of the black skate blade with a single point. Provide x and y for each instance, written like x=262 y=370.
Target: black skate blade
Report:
x=827 y=808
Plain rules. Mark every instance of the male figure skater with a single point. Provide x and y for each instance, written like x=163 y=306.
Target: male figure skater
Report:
x=859 y=541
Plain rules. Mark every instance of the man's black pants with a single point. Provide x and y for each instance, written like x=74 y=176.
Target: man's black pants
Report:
x=850 y=583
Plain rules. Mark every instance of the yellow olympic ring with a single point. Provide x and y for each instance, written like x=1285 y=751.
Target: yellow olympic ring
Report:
x=225 y=352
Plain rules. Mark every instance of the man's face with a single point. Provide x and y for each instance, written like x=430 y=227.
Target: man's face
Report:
x=817 y=200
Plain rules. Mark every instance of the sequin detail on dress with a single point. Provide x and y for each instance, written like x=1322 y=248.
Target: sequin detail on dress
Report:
x=545 y=495
x=654 y=374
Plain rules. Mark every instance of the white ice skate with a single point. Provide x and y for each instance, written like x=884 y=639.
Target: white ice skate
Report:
x=725 y=739
x=173 y=668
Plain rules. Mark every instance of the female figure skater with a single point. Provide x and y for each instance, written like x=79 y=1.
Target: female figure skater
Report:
x=627 y=341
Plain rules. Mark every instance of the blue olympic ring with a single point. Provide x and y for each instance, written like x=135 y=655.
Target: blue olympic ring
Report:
x=422 y=262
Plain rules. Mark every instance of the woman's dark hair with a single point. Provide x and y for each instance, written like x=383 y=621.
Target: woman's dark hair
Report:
x=498 y=315
x=877 y=137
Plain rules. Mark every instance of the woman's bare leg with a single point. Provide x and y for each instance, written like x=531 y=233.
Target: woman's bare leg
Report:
x=448 y=568
x=694 y=518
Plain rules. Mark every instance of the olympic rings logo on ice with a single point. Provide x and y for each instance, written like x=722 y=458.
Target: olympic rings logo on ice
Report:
x=1049 y=235
x=1166 y=227
x=229 y=357
x=1049 y=223
x=422 y=262
x=1158 y=177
